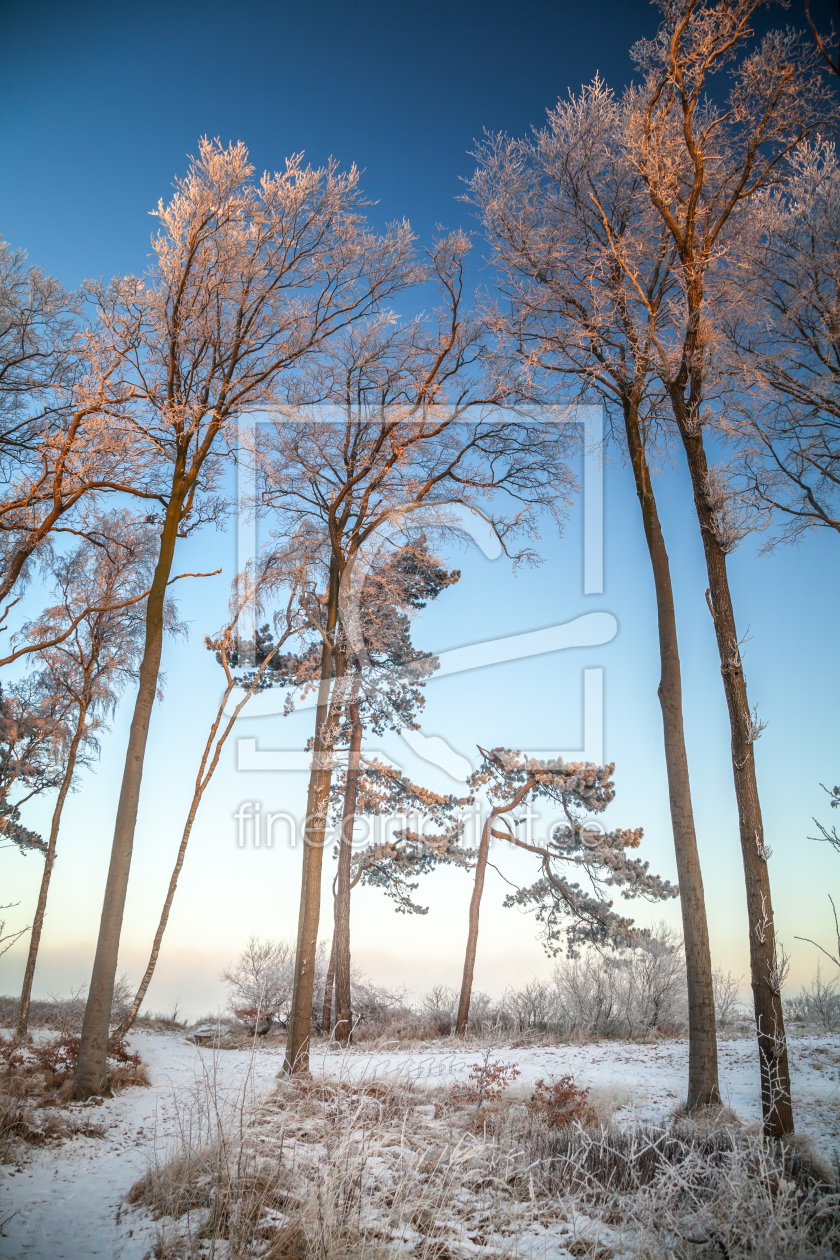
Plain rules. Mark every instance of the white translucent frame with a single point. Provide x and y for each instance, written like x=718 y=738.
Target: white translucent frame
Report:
x=590 y=630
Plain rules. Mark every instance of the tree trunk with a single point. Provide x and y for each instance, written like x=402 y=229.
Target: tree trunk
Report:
x=343 y=1007
x=49 y=861
x=201 y=782
x=329 y=984
x=703 y=1086
x=475 y=904
x=91 y=1075
x=472 y=934
x=326 y=722
x=764 y=970
x=164 y=919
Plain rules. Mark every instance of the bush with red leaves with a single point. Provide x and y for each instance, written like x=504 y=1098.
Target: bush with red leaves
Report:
x=485 y=1083
x=561 y=1103
x=12 y=1056
x=58 y=1057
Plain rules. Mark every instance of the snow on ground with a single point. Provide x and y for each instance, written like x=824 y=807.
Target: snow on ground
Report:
x=67 y=1200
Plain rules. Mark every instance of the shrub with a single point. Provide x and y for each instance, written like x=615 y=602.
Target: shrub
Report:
x=728 y=1006
x=56 y=1060
x=561 y=1103
x=485 y=1083
x=262 y=976
x=439 y=1007
x=341 y=1170
x=818 y=1005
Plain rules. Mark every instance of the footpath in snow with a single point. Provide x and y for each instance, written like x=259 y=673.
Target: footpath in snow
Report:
x=66 y=1202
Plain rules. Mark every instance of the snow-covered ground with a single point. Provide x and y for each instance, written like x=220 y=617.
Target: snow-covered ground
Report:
x=66 y=1202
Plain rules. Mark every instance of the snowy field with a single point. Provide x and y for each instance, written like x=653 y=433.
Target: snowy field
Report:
x=66 y=1202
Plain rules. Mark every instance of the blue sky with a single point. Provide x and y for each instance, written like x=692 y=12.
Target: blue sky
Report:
x=98 y=107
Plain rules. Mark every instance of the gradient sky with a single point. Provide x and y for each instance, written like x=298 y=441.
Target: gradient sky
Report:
x=99 y=105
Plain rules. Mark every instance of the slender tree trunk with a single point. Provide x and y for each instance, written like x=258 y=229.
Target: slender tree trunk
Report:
x=326 y=722
x=91 y=1068
x=205 y=774
x=329 y=985
x=764 y=969
x=475 y=905
x=703 y=1086
x=164 y=919
x=343 y=1006
x=49 y=861
x=472 y=934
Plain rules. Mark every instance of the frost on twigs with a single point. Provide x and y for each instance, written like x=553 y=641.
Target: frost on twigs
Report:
x=577 y=846
x=393 y=863
x=732 y=517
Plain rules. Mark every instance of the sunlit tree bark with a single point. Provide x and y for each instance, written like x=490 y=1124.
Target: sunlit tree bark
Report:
x=556 y=208
x=701 y=166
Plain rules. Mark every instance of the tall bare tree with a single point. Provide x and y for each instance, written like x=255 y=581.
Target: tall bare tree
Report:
x=702 y=164
x=555 y=206
x=249 y=277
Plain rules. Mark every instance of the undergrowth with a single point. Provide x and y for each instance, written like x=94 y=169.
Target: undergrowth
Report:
x=355 y=1167
x=36 y=1086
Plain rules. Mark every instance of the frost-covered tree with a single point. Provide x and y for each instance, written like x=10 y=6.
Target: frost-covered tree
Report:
x=383 y=689
x=703 y=161
x=65 y=443
x=261 y=978
x=33 y=731
x=557 y=208
x=397 y=418
x=786 y=339
x=88 y=670
x=249 y=276
x=566 y=911
x=384 y=682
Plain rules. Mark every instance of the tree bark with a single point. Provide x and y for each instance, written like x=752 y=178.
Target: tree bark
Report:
x=472 y=933
x=475 y=905
x=326 y=722
x=329 y=985
x=703 y=1088
x=49 y=861
x=91 y=1075
x=343 y=1004
x=776 y=1103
